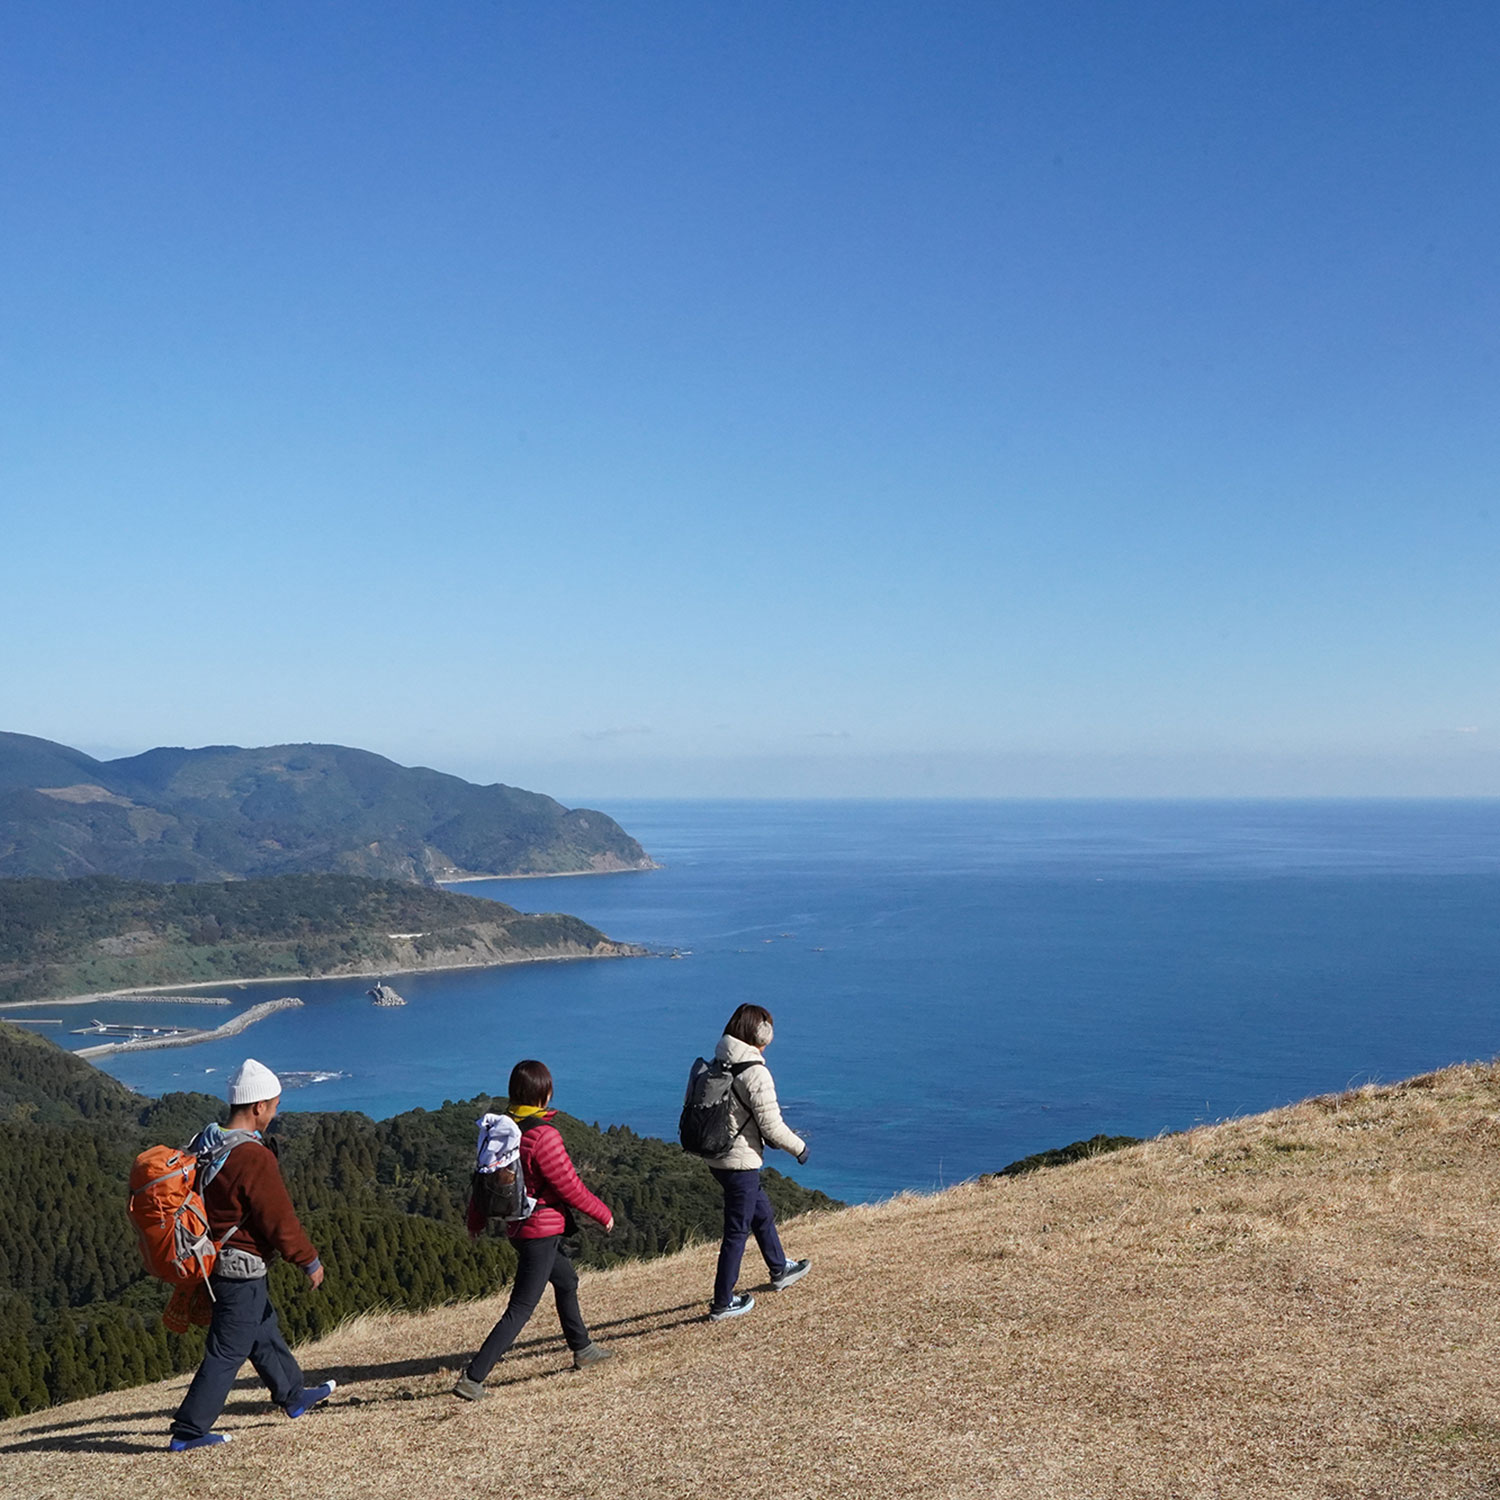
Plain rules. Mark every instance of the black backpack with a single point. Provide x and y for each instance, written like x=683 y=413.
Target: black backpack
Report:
x=707 y=1124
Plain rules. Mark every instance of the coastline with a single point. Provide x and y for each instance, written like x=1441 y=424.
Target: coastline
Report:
x=551 y=874
x=143 y=994
x=143 y=991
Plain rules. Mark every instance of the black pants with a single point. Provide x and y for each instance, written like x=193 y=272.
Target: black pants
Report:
x=537 y=1263
x=244 y=1327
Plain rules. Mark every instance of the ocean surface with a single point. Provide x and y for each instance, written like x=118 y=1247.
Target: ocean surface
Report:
x=955 y=984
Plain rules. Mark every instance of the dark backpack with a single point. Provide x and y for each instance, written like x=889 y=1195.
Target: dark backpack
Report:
x=500 y=1196
x=707 y=1124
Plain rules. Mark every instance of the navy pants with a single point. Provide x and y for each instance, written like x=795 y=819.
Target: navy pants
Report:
x=537 y=1262
x=747 y=1211
x=244 y=1327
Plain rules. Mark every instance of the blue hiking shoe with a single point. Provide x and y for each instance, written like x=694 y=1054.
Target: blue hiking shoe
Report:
x=311 y=1397
x=738 y=1306
x=208 y=1440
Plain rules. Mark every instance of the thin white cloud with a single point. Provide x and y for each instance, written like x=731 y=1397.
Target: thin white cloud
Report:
x=624 y=731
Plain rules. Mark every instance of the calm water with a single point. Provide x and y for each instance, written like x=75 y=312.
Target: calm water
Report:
x=955 y=984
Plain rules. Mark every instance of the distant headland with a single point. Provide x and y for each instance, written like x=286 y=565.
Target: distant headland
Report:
x=100 y=935
x=226 y=813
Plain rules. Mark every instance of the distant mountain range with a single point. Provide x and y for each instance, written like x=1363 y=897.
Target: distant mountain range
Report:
x=223 y=813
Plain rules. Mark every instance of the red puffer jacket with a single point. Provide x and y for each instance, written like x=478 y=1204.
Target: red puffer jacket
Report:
x=553 y=1182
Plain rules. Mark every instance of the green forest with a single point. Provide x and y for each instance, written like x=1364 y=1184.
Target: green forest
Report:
x=382 y=1200
x=97 y=932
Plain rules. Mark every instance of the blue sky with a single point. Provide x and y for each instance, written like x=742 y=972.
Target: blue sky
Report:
x=884 y=399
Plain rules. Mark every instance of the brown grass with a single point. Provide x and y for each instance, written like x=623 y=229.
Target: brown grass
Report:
x=1300 y=1304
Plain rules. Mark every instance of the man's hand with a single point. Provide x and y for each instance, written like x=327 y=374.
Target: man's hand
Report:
x=316 y=1276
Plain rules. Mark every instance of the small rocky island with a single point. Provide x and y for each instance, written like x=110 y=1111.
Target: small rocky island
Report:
x=383 y=994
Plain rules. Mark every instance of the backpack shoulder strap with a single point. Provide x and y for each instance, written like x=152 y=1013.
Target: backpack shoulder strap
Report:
x=212 y=1158
x=735 y=1069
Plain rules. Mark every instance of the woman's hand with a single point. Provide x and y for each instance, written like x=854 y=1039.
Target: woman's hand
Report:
x=609 y=1225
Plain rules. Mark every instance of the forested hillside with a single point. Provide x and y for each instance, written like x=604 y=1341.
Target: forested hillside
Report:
x=99 y=933
x=382 y=1200
x=222 y=812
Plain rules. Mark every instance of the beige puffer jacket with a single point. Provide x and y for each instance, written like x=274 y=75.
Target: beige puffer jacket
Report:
x=760 y=1124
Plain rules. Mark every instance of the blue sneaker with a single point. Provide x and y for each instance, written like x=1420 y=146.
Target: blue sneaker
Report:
x=311 y=1397
x=738 y=1306
x=208 y=1440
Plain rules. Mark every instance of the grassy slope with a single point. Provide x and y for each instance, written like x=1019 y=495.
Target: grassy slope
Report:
x=1300 y=1304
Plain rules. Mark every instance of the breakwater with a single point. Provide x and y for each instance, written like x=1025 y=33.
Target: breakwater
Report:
x=231 y=1027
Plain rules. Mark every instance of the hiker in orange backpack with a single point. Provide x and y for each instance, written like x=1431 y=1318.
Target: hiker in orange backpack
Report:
x=251 y=1218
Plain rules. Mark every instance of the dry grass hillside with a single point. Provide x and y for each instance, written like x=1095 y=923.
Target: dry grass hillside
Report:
x=1306 y=1303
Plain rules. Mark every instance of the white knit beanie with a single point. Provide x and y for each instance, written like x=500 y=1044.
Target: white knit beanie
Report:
x=251 y=1082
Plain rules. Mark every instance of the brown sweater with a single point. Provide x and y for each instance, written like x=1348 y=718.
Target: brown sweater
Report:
x=248 y=1191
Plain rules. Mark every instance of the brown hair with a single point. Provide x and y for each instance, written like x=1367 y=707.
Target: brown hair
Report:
x=750 y=1024
x=530 y=1083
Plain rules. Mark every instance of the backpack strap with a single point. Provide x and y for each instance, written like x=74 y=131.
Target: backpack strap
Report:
x=210 y=1160
x=213 y=1156
x=735 y=1069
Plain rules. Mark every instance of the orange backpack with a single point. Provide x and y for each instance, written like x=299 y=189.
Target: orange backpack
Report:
x=170 y=1219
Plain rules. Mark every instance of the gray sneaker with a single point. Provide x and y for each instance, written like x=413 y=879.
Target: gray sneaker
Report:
x=738 y=1306
x=470 y=1390
x=591 y=1354
x=794 y=1270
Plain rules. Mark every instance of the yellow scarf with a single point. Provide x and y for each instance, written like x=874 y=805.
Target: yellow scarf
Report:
x=526 y=1111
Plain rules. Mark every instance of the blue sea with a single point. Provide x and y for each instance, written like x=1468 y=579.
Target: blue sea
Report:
x=955 y=984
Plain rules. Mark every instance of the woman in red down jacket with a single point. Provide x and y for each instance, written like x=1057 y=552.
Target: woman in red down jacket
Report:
x=540 y=1253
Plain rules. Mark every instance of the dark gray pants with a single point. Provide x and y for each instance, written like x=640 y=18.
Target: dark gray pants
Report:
x=537 y=1263
x=244 y=1327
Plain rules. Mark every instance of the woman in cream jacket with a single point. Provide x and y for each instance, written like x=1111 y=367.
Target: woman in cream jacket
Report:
x=758 y=1123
